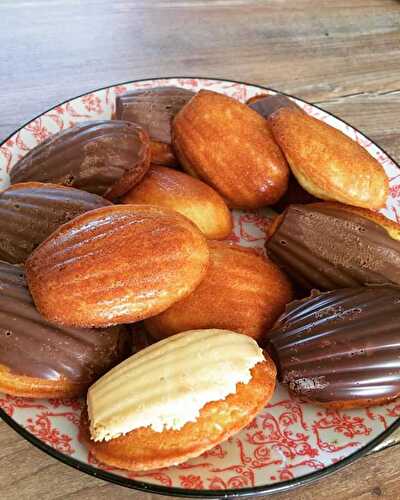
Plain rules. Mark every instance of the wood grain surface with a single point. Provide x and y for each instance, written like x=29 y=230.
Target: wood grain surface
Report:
x=343 y=55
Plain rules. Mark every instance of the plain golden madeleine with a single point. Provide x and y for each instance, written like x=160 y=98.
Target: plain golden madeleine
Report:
x=118 y=264
x=190 y=197
x=230 y=146
x=241 y=291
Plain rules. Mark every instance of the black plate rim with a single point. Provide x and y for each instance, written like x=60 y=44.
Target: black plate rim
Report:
x=184 y=492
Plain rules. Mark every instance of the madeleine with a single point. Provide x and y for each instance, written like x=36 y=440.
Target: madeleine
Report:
x=326 y=162
x=31 y=211
x=242 y=291
x=190 y=197
x=153 y=109
x=105 y=157
x=117 y=264
x=230 y=146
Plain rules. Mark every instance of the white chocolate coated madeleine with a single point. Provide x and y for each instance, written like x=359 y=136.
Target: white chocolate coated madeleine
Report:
x=167 y=384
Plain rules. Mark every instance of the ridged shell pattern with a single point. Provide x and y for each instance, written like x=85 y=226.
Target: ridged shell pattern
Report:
x=166 y=385
x=340 y=345
x=30 y=212
x=93 y=156
x=326 y=248
x=31 y=346
x=153 y=109
x=116 y=264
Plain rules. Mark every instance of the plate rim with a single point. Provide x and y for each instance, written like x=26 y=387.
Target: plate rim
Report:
x=268 y=489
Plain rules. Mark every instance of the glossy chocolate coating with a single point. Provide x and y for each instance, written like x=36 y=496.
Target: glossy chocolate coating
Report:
x=31 y=211
x=268 y=105
x=325 y=247
x=153 y=109
x=342 y=345
x=95 y=156
x=31 y=346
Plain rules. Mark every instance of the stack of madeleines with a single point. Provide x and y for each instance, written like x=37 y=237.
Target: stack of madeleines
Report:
x=114 y=222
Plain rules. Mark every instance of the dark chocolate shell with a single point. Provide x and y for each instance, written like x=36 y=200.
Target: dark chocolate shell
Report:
x=340 y=348
x=34 y=347
x=31 y=211
x=327 y=246
x=153 y=109
x=105 y=157
x=270 y=104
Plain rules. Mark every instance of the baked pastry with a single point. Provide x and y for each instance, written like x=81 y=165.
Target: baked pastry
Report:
x=329 y=245
x=31 y=211
x=104 y=157
x=153 y=109
x=230 y=146
x=116 y=264
x=173 y=401
x=242 y=291
x=340 y=348
x=41 y=360
x=326 y=162
x=191 y=197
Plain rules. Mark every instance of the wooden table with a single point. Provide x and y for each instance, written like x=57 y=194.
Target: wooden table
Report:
x=343 y=55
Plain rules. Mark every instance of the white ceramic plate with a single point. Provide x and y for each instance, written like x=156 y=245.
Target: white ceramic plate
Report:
x=289 y=443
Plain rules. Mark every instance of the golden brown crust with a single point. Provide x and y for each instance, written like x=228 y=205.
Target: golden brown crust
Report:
x=31 y=387
x=190 y=197
x=327 y=163
x=242 y=292
x=144 y=449
x=117 y=264
x=230 y=147
x=163 y=154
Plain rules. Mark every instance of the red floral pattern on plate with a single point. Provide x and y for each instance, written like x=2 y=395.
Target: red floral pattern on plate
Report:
x=289 y=438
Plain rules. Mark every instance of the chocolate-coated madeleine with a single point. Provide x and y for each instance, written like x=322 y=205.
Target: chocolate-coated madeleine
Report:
x=105 y=157
x=329 y=245
x=191 y=197
x=242 y=291
x=326 y=162
x=230 y=146
x=117 y=264
x=153 y=109
x=31 y=211
x=40 y=359
x=268 y=104
x=340 y=348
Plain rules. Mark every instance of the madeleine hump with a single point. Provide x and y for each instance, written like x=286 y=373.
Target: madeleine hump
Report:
x=230 y=146
x=190 y=197
x=31 y=211
x=105 y=157
x=117 y=264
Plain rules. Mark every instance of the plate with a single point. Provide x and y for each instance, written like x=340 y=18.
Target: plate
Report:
x=289 y=443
